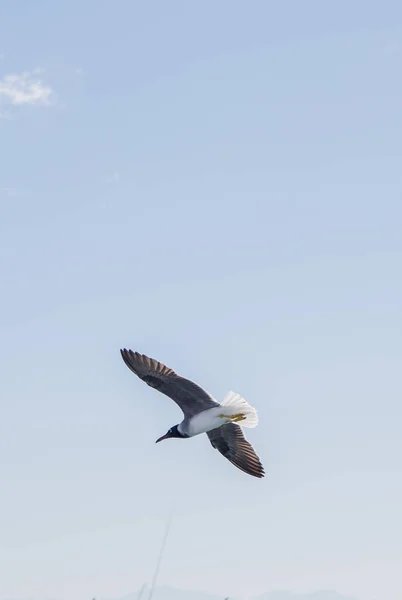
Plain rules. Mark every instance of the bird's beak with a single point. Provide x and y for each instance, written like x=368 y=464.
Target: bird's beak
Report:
x=164 y=437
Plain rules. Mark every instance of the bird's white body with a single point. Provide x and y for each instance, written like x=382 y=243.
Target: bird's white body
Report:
x=234 y=409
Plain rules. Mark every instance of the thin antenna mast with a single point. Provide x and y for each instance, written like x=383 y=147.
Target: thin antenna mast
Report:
x=158 y=564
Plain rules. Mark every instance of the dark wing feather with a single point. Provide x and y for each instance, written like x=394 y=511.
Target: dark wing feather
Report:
x=190 y=397
x=229 y=440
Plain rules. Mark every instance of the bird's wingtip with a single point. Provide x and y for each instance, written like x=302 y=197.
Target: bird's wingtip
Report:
x=125 y=354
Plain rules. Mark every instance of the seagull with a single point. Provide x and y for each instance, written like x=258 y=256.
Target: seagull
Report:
x=202 y=414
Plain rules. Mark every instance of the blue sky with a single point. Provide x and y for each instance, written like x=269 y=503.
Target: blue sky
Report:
x=218 y=185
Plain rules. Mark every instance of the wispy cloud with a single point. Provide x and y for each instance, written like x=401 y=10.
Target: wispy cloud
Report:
x=26 y=88
x=114 y=178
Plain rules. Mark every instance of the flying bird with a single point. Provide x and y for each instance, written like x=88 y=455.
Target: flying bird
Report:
x=202 y=414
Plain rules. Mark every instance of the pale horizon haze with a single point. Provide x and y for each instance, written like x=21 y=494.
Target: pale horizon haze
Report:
x=216 y=185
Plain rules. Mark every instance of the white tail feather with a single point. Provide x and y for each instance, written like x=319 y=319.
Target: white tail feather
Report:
x=237 y=404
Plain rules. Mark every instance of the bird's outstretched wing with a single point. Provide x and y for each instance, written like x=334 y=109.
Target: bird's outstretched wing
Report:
x=191 y=398
x=229 y=440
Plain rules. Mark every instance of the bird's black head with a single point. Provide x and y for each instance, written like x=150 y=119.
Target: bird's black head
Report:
x=172 y=433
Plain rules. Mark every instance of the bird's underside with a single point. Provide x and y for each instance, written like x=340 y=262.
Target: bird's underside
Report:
x=228 y=439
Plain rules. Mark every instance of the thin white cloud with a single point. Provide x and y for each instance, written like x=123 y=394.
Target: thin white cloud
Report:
x=114 y=178
x=25 y=89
